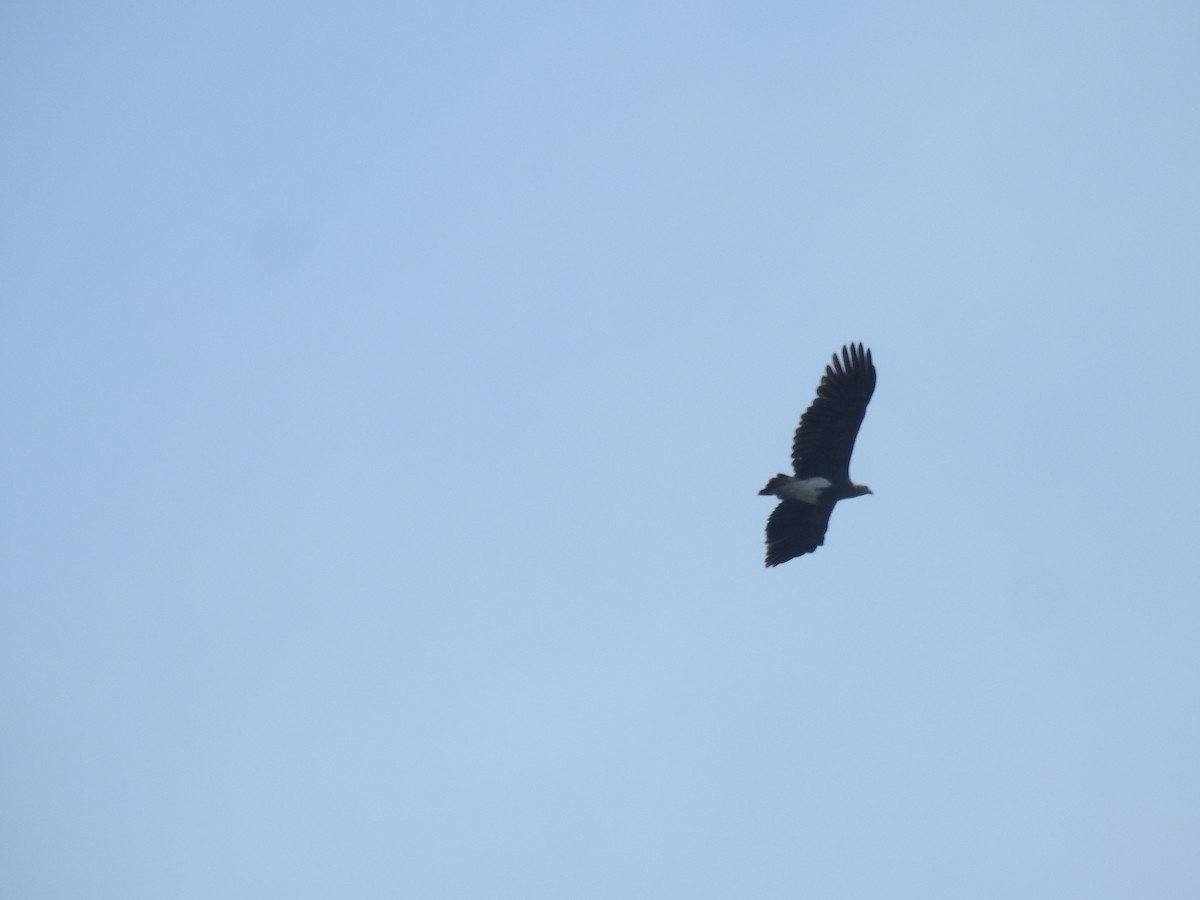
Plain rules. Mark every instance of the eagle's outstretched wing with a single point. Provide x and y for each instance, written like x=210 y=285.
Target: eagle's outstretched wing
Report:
x=825 y=438
x=796 y=528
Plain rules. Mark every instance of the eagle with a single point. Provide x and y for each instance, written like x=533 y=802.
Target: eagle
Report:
x=821 y=458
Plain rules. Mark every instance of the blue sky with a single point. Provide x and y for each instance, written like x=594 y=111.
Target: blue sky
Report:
x=387 y=388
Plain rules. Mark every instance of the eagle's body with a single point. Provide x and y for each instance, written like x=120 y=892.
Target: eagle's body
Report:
x=821 y=458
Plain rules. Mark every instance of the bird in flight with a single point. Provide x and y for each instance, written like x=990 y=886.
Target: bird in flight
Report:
x=821 y=458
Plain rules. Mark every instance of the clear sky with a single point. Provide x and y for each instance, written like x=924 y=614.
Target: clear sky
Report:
x=387 y=387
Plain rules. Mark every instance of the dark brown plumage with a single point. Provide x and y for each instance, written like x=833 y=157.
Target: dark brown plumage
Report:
x=821 y=453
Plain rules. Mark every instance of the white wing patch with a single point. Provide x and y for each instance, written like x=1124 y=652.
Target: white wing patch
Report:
x=806 y=490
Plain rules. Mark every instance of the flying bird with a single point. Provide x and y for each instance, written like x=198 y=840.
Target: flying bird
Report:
x=821 y=458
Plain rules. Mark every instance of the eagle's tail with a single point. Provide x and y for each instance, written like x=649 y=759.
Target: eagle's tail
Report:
x=775 y=485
